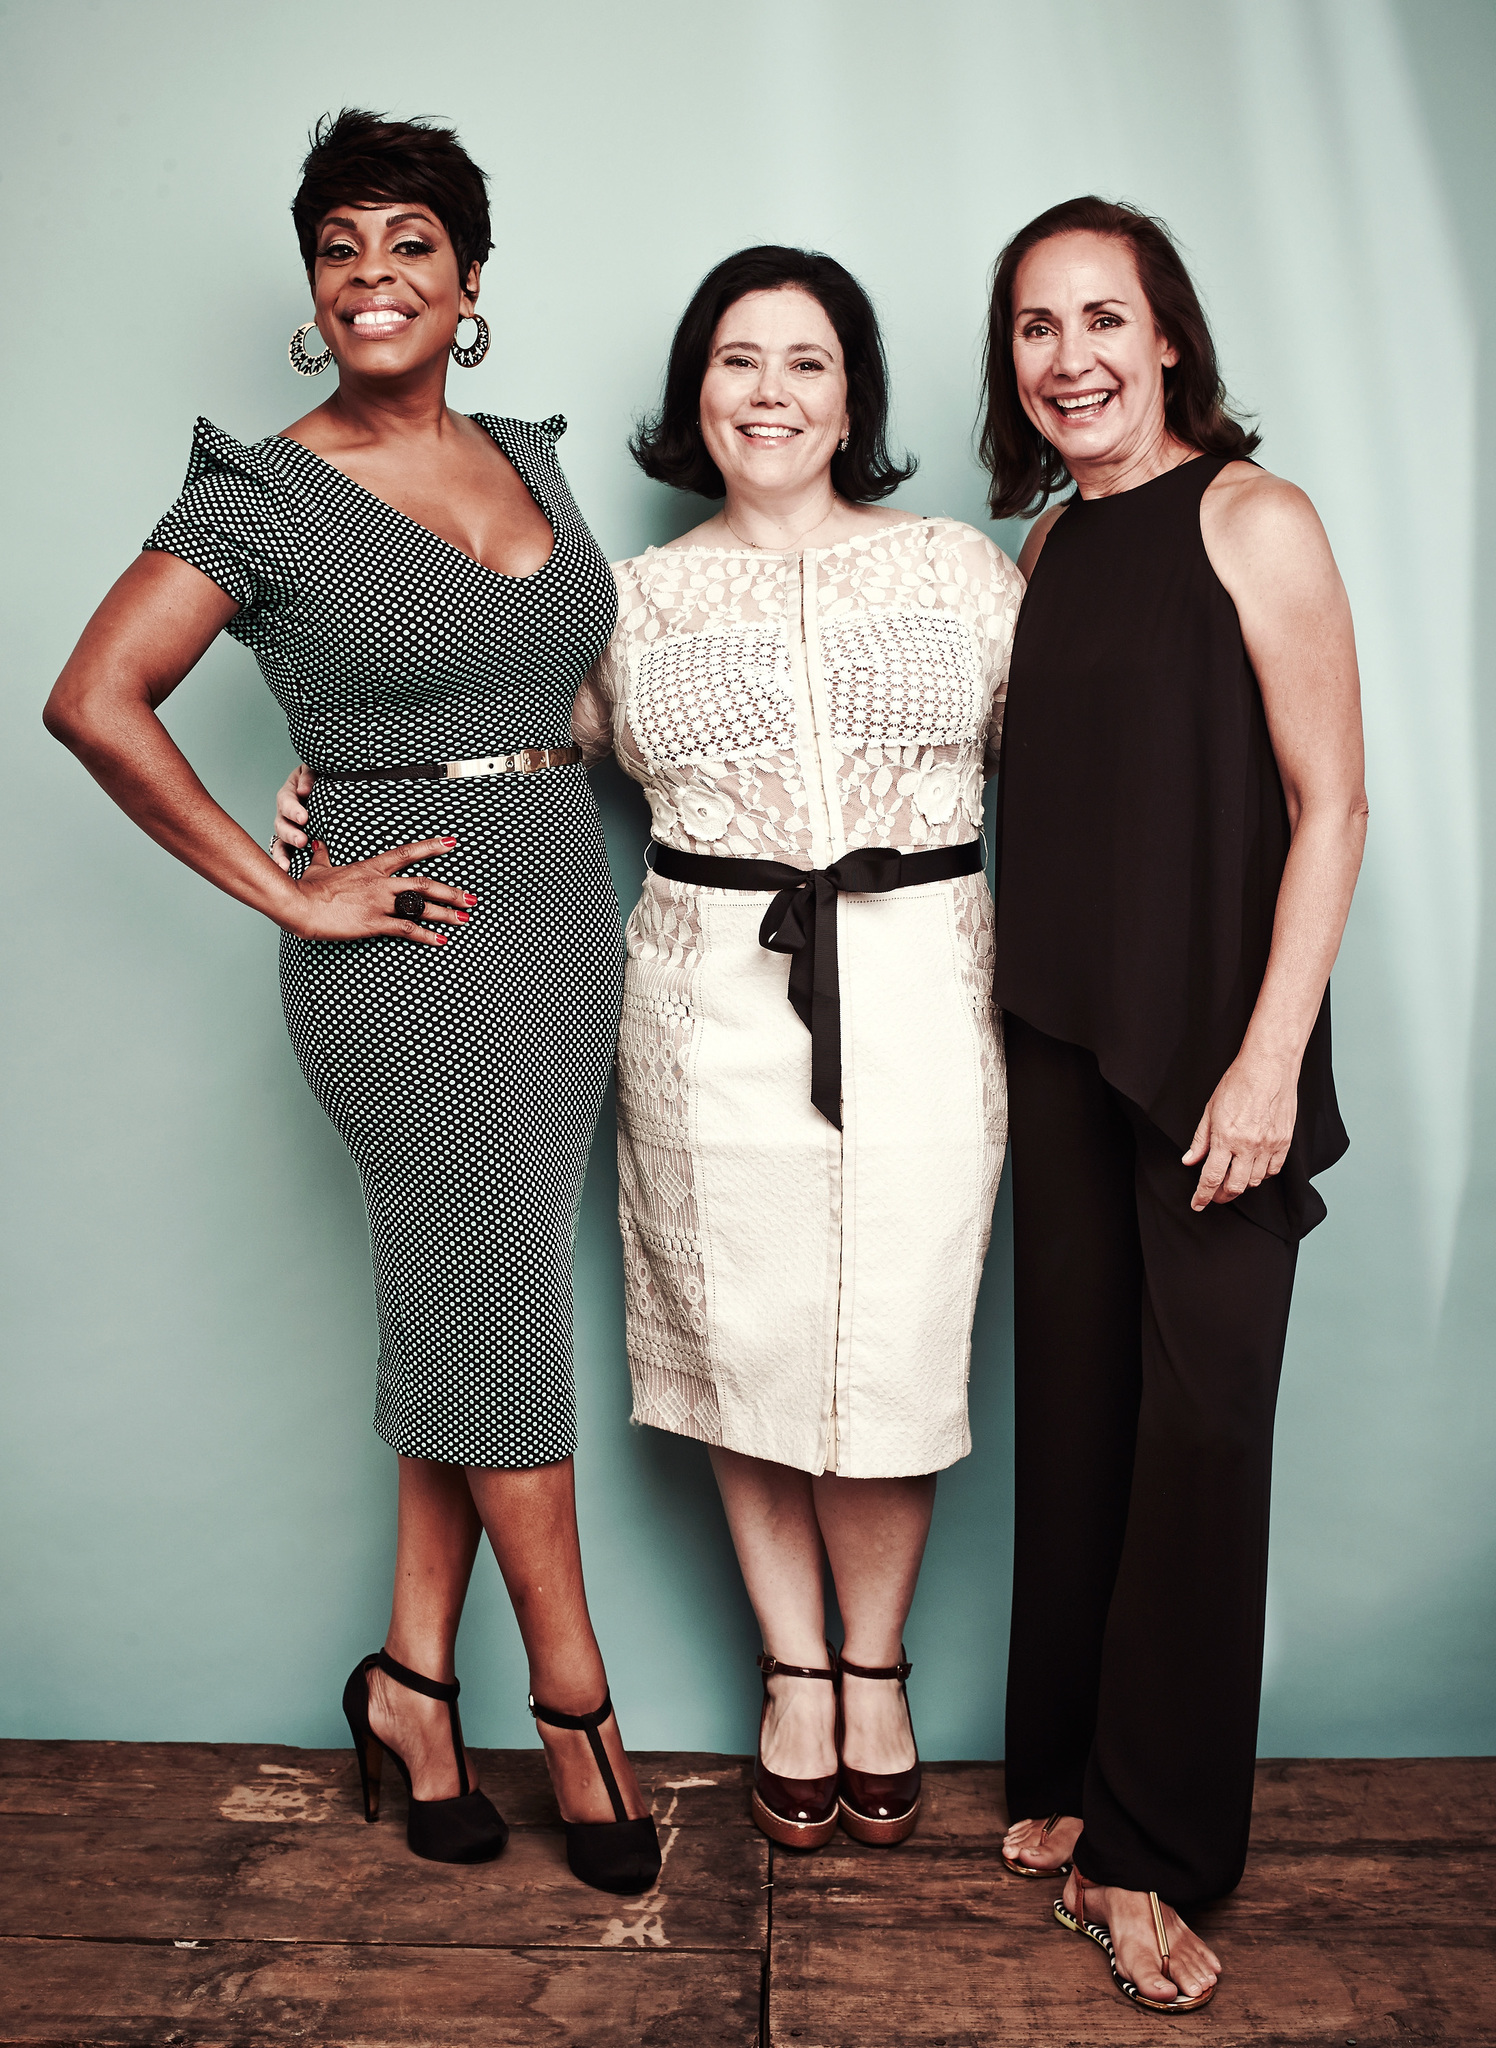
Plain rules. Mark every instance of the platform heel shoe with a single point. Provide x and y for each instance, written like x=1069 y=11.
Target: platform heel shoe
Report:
x=467 y=1829
x=798 y=1813
x=618 y=1855
x=876 y=1806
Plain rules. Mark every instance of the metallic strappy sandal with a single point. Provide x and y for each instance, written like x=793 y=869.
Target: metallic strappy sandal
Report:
x=1094 y=1931
x=1028 y=1869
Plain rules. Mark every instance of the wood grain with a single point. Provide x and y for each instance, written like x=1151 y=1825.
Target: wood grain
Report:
x=270 y=1782
x=235 y=1994
x=1354 y=1922
x=1363 y=1916
x=131 y=1880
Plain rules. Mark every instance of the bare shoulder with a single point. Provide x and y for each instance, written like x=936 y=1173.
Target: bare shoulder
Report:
x=1251 y=518
x=1038 y=533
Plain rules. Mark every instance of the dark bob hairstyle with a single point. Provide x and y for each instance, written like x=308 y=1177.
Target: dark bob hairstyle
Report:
x=361 y=157
x=669 y=446
x=1026 y=469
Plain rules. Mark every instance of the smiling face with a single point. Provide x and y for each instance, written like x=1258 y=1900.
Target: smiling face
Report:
x=1088 y=357
x=774 y=397
x=385 y=288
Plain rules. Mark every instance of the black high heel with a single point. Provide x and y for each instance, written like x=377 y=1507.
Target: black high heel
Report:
x=618 y=1855
x=467 y=1829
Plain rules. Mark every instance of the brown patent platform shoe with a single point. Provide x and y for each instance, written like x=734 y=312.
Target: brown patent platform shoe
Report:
x=798 y=1813
x=880 y=1807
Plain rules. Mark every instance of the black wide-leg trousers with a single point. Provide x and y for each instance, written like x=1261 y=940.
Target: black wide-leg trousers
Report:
x=1148 y=1346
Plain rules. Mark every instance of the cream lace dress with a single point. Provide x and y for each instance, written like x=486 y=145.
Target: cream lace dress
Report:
x=795 y=1292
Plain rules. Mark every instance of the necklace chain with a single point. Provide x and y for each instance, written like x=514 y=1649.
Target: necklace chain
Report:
x=758 y=547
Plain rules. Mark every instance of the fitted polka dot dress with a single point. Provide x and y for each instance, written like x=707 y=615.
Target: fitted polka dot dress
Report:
x=467 y=1079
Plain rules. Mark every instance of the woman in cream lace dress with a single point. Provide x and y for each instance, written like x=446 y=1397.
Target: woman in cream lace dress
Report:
x=808 y=683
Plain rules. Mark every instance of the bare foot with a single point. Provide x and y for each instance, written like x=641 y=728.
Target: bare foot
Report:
x=419 y=1730
x=1193 y=1969
x=576 y=1779
x=1038 y=1846
x=798 y=1739
x=877 y=1735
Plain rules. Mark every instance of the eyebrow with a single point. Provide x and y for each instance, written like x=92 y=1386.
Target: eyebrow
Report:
x=1043 y=312
x=796 y=348
x=343 y=220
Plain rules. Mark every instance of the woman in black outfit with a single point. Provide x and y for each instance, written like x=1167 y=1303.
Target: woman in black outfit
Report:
x=423 y=598
x=1181 y=819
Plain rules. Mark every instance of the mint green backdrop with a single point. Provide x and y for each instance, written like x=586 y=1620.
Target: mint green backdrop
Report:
x=196 y=1514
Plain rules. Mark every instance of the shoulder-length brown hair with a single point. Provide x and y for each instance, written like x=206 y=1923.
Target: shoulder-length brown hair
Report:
x=1026 y=469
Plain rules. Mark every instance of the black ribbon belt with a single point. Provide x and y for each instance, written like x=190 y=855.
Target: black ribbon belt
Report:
x=801 y=921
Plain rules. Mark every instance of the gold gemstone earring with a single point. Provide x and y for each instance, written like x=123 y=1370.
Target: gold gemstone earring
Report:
x=477 y=348
x=303 y=364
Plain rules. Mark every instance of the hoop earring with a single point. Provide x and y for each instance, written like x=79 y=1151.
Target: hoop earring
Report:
x=471 y=356
x=303 y=364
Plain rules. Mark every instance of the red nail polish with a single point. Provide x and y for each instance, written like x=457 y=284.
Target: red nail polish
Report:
x=461 y=916
x=449 y=842
x=469 y=898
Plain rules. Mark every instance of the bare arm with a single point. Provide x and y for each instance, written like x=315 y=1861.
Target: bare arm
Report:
x=592 y=718
x=150 y=631
x=1266 y=544
x=1038 y=533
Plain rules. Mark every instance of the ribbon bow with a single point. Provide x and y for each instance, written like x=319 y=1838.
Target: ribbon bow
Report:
x=801 y=921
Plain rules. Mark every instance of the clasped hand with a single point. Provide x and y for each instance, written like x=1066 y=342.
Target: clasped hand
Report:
x=1244 y=1135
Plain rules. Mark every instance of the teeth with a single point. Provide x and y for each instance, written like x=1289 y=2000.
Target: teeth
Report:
x=1089 y=401
x=385 y=316
x=770 y=433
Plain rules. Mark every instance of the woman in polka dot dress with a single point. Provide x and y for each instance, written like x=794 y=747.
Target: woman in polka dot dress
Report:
x=424 y=599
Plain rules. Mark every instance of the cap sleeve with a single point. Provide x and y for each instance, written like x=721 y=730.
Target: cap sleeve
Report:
x=229 y=522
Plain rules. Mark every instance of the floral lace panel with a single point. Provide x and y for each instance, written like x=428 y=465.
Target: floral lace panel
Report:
x=663 y=1265
x=900 y=676
x=909 y=796
x=754 y=809
x=713 y=695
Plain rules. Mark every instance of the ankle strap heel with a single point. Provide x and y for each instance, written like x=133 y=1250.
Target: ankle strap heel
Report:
x=880 y=1807
x=798 y=1813
x=467 y=1829
x=619 y=1855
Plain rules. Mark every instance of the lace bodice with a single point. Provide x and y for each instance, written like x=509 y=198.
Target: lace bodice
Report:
x=797 y=706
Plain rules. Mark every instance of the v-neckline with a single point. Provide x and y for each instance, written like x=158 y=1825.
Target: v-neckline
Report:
x=488 y=422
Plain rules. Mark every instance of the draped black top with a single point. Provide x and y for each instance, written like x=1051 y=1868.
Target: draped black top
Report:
x=1142 y=828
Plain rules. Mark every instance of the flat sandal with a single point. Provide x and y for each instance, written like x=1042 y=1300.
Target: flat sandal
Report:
x=1094 y=1931
x=1027 y=1869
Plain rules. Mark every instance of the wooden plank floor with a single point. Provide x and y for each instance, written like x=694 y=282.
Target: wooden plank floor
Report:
x=221 y=1896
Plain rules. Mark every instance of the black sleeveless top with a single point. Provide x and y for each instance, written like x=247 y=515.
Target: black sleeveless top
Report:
x=1142 y=827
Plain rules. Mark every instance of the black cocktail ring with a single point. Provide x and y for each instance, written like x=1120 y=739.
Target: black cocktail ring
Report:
x=410 y=903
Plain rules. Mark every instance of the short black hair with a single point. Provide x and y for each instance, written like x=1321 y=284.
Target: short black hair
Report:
x=356 y=157
x=668 y=446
